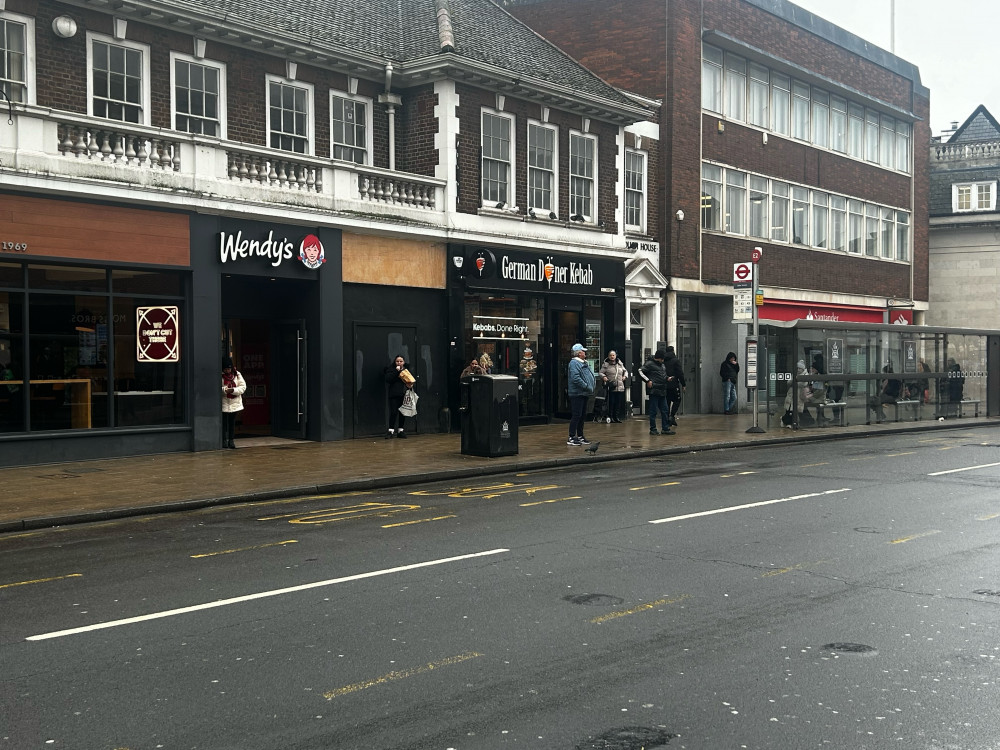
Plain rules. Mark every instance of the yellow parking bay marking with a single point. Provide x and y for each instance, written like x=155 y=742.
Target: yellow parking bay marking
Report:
x=330 y=515
x=988 y=517
x=780 y=571
x=490 y=491
x=400 y=675
x=904 y=539
x=652 y=486
x=419 y=520
x=967 y=468
x=553 y=500
x=40 y=580
x=245 y=549
x=641 y=608
x=749 y=505
x=264 y=595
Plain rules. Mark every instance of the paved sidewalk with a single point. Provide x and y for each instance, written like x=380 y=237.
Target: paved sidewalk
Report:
x=264 y=468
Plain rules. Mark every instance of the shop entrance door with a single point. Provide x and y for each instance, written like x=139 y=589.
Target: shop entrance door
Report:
x=566 y=324
x=375 y=346
x=289 y=403
x=637 y=392
x=689 y=353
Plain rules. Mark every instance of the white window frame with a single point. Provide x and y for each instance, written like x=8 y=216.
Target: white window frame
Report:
x=643 y=190
x=974 y=189
x=511 y=161
x=310 y=114
x=146 y=79
x=176 y=57
x=29 y=54
x=712 y=74
x=369 y=104
x=554 y=192
x=594 y=197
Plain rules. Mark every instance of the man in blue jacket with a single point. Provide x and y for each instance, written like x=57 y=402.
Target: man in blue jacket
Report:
x=581 y=387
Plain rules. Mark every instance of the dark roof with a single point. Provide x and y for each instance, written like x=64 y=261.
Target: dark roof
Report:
x=939 y=193
x=979 y=126
x=407 y=30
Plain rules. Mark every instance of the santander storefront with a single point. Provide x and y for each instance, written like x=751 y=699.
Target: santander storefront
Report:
x=788 y=310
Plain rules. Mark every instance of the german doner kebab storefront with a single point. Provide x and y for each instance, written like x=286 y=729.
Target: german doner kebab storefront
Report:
x=525 y=309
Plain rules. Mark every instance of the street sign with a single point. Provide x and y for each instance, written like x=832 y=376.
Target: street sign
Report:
x=742 y=272
x=755 y=255
x=742 y=305
x=751 y=362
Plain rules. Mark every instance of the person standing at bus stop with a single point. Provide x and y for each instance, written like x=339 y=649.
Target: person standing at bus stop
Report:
x=729 y=371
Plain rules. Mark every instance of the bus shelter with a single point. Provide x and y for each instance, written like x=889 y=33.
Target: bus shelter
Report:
x=830 y=373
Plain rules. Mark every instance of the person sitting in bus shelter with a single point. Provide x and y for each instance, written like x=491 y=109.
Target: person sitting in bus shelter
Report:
x=888 y=393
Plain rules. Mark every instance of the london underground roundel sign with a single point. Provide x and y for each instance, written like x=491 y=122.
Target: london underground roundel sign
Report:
x=742 y=272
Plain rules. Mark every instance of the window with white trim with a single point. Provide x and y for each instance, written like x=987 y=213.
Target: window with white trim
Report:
x=711 y=79
x=903 y=147
x=838 y=124
x=820 y=218
x=887 y=143
x=856 y=226
x=800 y=111
x=887 y=241
x=856 y=130
x=871 y=229
x=199 y=95
x=541 y=167
x=349 y=130
x=497 y=148
x=902 y=235
x=119 y=74
x=974 y=196
x=871 y=136
x=779 y=211
x=838 y=223
x=736 y=201
x=821 y=118
x=635 y=190
x=711 y=197
x=780 y=103
x=758 y=207
x=582 y=175
x=760 y=86
x=800 y=215
x=17 y=39
x=289 y=116
x=736 y=87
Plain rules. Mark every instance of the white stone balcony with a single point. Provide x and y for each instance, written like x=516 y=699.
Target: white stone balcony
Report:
x=100 y=157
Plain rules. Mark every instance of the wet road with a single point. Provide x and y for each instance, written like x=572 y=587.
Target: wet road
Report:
x=843 y=595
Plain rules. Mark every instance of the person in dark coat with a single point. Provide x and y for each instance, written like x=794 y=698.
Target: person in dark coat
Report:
x=395 y=390
x=729 y=371
x=654 y=373
x=676 y=384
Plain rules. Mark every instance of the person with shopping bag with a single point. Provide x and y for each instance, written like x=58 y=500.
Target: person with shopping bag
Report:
x=615 y=378
x=399 y=382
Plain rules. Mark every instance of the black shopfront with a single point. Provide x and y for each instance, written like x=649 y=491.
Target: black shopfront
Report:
x=519 y=312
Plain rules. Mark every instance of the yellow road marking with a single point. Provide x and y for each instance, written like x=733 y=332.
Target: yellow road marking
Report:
x=25 y=536
x=737 y=474
x=401 y=675
x=989 y=517
x=419 y=520
x=651 y=486
x=821 y=463
x=471 y=491
x=640 y=608
x=946 y=448
x=328 y=515
x=903 y=539
x=779 y=571
x=553 y=500
x=40 y=580
x=245 y=549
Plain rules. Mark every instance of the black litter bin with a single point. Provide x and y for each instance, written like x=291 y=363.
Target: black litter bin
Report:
x=488 y=405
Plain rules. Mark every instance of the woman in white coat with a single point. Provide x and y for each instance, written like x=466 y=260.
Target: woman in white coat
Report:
x=233 y=388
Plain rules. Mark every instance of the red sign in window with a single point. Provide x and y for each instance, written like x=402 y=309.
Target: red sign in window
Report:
x=780 y=310
x=157 y=338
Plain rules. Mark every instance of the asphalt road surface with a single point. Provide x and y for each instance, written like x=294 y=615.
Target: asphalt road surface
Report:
x=843 y=594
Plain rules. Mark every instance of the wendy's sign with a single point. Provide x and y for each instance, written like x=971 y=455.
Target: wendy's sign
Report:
x=157 y=338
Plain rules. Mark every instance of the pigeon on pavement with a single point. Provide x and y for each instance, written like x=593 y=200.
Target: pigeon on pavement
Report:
x=593 y=448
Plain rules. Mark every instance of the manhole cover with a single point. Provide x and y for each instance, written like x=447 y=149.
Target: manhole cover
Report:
x=628 y=738
x=595 y=600
x=850 y=648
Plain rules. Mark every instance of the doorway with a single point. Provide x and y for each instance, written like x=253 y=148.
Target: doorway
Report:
x=636 y=394
x=375 y=346
x=566 y=324
x=689 y=353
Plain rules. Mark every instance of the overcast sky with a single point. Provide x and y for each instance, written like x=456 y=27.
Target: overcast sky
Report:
x=950 y=41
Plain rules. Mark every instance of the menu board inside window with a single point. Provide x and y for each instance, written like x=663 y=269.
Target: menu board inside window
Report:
x=592 y=318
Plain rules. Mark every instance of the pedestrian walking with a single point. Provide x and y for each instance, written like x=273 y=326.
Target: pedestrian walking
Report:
x=233 y=388
x=676 y=384
x=615 y=378
x=581 y=387
x=654 y=373
x=729 y=371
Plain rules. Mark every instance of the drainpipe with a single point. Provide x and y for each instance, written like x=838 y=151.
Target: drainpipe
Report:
x=391 y=101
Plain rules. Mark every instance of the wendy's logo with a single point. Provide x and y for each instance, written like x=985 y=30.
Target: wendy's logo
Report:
x=311 y=252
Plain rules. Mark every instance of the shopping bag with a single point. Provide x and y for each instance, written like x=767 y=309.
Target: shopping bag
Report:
x=406 y=377
x=409 y=407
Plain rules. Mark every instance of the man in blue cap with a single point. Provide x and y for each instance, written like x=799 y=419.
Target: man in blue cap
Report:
x=581 y=387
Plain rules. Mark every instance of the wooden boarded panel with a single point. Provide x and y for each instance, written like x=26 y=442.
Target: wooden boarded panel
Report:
x=394 y=262
x=85 y=231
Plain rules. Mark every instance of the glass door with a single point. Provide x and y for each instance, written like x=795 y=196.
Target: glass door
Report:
x=289 y=400
x=689 y=353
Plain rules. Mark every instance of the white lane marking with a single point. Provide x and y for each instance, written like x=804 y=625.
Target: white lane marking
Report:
x=967 y=468
x=260 y=595
x=749 y=505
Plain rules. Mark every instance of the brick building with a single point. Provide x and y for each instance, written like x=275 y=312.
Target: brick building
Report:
x=312 y=192
x=779 y=130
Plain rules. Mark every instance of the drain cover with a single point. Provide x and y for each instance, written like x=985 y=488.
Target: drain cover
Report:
x=595 y=600
x=628 y=738
x=850 y=648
